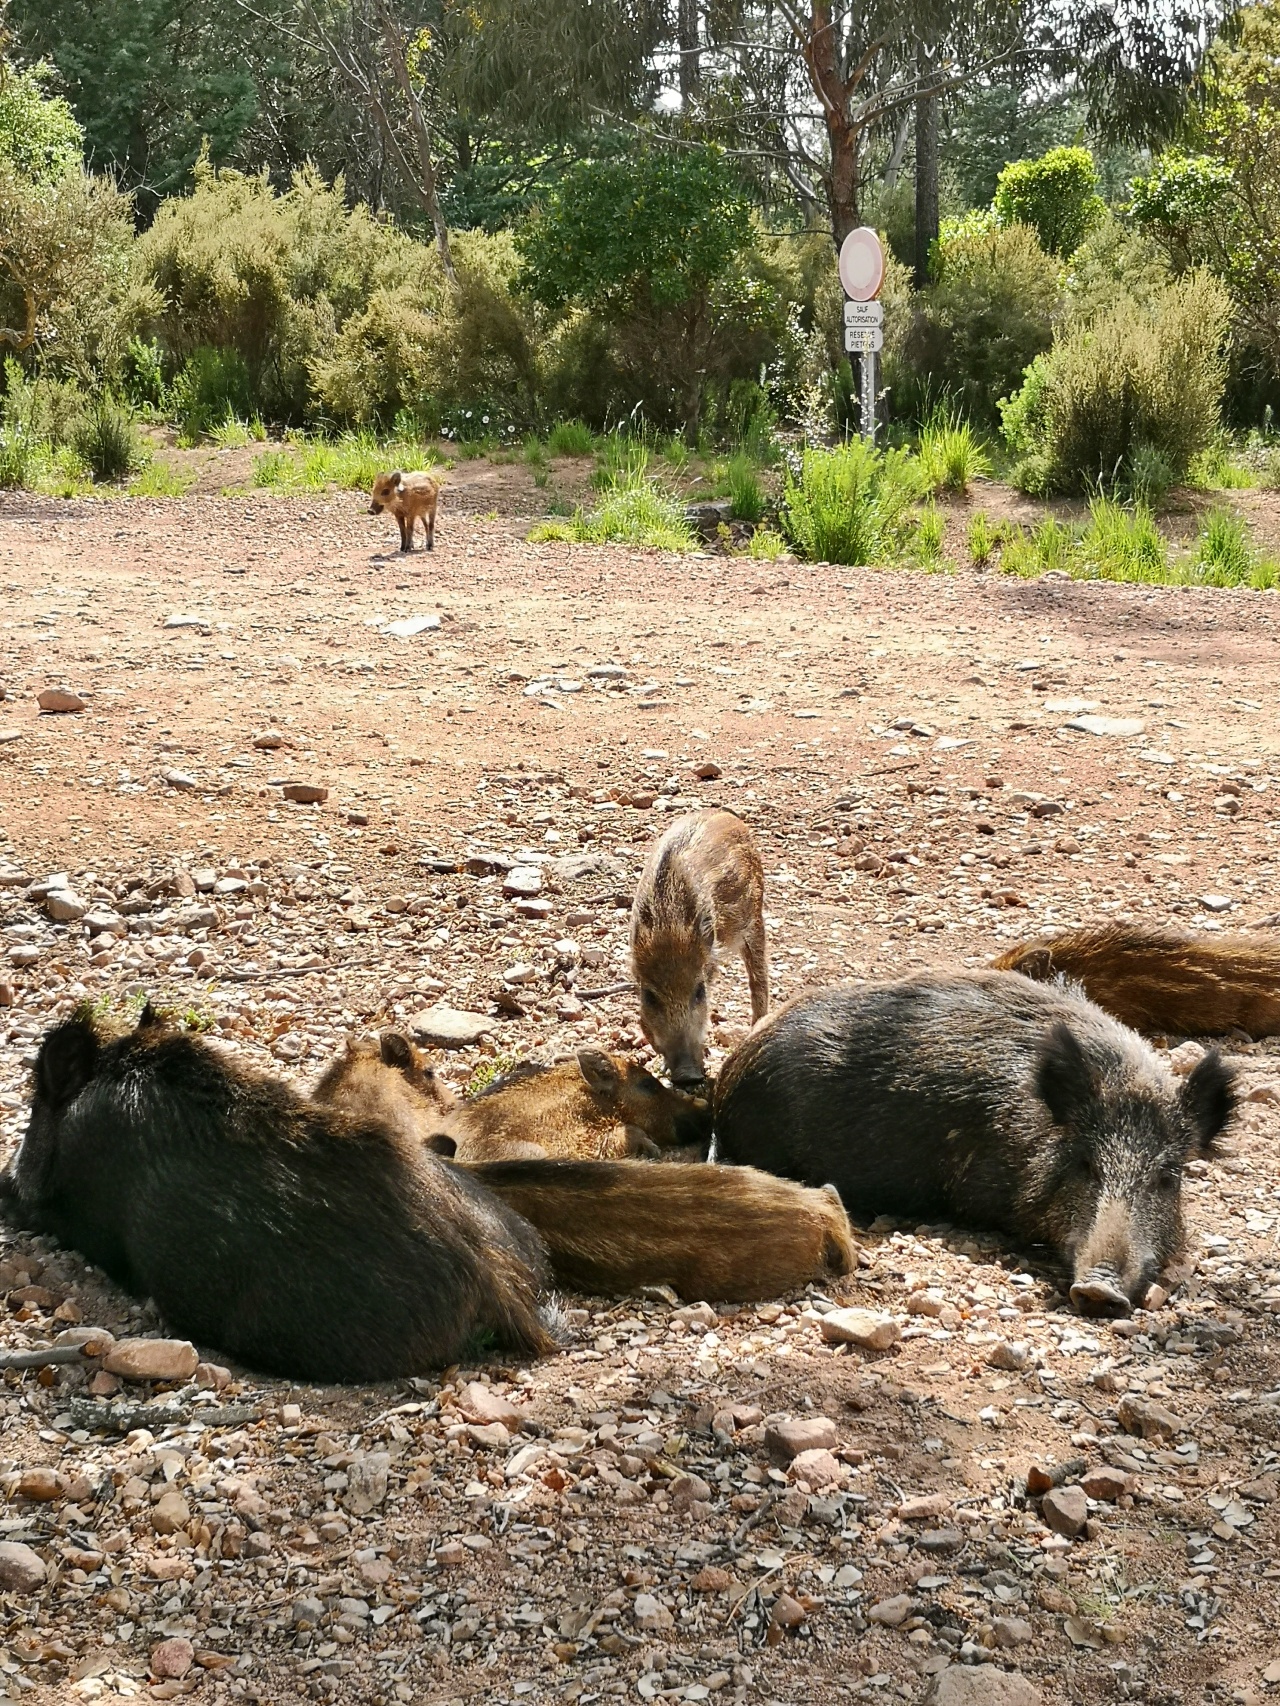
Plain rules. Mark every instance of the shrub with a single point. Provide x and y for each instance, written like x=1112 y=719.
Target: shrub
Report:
x=852 y=504
x=570 y=438
x=39 y=135
x=1114 y=260
x=1134 y=377
x=633 y=511
x=143 y=373
x=107 y=441
x=1121 y=545
x=213 y=387
x=1056 y=195
x=742 y=485
x=951 y=454
x=988 y=314
x=160 y=479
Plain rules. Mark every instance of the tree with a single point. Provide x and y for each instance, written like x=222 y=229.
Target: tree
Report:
x=39 y=136
x=1057 y=195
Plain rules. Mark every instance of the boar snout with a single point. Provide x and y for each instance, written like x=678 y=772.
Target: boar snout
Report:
x=1113 y=1264
x=1098 y=1293
x=687 y=1072
x=375 y=509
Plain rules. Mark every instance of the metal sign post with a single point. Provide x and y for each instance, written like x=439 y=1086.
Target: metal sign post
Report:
x=862 y=273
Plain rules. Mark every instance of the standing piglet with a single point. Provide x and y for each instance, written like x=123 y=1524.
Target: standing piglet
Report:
x=984 y=1098
x=701 y=896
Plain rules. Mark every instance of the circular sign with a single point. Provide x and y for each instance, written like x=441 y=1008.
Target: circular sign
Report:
x=861 y=264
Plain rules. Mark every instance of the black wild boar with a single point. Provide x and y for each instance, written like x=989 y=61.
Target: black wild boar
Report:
x=700 y=898
x=983 y=1098
x=300 y=1240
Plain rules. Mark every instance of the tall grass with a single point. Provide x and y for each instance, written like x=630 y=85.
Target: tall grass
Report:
x=741 y=483
x=352 y=461
x=107 y=441
x=952 y=456
x=570 y=438
x=1123 y=545
x=633 y=510
x=852 y=504
x=1225 y=555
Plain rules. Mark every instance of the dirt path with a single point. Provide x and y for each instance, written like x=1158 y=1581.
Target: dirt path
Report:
x=922 y=720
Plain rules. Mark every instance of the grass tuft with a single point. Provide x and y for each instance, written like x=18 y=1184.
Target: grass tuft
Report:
x=952 y=455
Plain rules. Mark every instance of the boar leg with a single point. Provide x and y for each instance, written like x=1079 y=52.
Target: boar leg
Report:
x=429 y=526
x=755 y=956
x=406 y=532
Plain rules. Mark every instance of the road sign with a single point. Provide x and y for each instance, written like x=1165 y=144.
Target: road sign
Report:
x=863 y=339
x=861 y=264
x=863 y=313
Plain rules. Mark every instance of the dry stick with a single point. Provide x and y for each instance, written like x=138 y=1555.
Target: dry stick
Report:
x=124 y=1418
x=892 y=769
x=599 y=994
x=48 y=1356
x=745 y=1527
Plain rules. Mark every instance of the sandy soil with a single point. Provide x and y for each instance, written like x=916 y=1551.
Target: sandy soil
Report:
x=644 y=1553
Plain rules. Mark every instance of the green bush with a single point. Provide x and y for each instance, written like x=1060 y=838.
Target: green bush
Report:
x=107 y=441
x=1137 y=376
x=988 y=314
x=1056 y=195
x=852 y=504
x=570 y=438
x=951 y=454
x=39 y=135
x=214 y=386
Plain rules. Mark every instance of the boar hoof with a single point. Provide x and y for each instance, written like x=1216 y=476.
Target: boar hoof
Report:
x=1098 y=1294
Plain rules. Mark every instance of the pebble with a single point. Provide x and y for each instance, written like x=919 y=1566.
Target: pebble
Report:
x=182 y=780
x=1216 y=902
x=480 y=1403
x=448 y=1027
x=172 y=1659
x=21 y=1569
x=650 y=1614
x=788 y=1613
x=270 y=740
x=1012 y=1355
x=981 y=1685
x=65 y=906
x=788 y=1439
x=1066 y=1510
x=817 y=1467
x=892 y=1612
x=305 y=793
x=923 y=1507
x=170 y=1512
x=152 y=1359
x=59 y=699
x=367 y=1479
x=860 y=1327
x=1011 y=1631
x=1106 y=1484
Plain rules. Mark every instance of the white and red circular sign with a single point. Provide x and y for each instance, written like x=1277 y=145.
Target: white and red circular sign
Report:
x=861 y=264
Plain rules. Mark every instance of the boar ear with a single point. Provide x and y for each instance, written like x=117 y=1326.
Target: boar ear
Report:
x=1065 y=1082
x=397 y=480
x=1035 y=963
x=396 y=1050
x=149 y=1018
x=67 y=1060
x=644 y=915
x=707 y=928
x=440 y=1143
x=599 y=1071
x=1208 y=1096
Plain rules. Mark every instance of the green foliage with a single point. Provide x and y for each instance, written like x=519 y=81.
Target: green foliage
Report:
x=107 y=441
x=852 y=504
x=1136 y=376
x=766 y=545
x=633 y=511
x=160 y=479
x=213 y=387
x=931 y=533
x=1225 y=555
x=351 y=461
x=987 y=315
x=142 y=373
x=233 y=434
x=1122 y=545
x=1116 y=259
x=1056 y=195
x=741 y=482
x=952 y=455
x=570 y=438
x=1181 y=195
x=39 y=136
x=981 y=539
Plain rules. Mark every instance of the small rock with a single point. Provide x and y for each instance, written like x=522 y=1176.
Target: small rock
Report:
x=1146 y=1419
x=308 y=1612
x=981 y=1685
x=451 y=1554
x=305 y=793
x=152 y=1359
x=786 y=1440
x=1011 y=1355
x=1011 y=1631
x=367 y=1477
x=707 y=771
x=1066 y=1510
x=447 y=1027
x=271 y=740
x=924 y=1507
x=1107 y=1484
x=182 y=780
x=1216 y=902
x=1184 y=1059
x=480 y=1403
x=522 y=882
x=817 y=1467
x=788 y=1613
x=59 y=699
x=21 y=1569
x=688 y=1490
x=651 y=1614
x=65 y=906
x=711 y=1579
x=860 y=1327
x=170 y=1513
x=892 y=1612
x=1108 y=725
x=491 y=1436
x=41 y=1485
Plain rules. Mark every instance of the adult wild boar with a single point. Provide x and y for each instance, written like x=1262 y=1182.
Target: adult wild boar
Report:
x=984 y=1098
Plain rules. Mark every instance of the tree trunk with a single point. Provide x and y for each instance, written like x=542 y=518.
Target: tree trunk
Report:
x=926 y=168
x=690 y=60
x=821 y=48
x=899 y=153
x=425 y=182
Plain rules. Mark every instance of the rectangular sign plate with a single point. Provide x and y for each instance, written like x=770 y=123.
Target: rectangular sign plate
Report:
x=864 y=340
x=863 y=313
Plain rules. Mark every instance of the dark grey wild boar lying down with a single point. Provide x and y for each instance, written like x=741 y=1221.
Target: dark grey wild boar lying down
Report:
x=985 y=1099
x=301 y=1240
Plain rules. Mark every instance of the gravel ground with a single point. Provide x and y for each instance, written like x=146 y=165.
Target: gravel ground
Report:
x=625 y=1520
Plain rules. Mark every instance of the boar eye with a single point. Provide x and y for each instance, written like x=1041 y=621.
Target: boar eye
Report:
x=700 y=993
x=648 y=998
x=1166 y=1179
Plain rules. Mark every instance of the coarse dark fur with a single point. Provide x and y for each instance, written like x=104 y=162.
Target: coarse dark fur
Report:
x=301 y=1241
x=699 y=899
x=729 y=1233
x=984 y=1098
x=1163 y=982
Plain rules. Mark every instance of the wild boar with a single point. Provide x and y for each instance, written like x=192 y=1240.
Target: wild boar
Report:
x=987 y=1099
x=700 y=898
x=301 y=1241
x=410 y=498
x=388 y=1080
x=726 y=1233
x=1163 y=982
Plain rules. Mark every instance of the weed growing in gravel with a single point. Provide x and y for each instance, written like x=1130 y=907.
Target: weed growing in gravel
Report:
x=952 y=455
x=930 y=535
x=852 y=504
x=766 y=545
x=160 y=479
x=487 y=1072
x=570 y=438
x=981 y=538
x=633 y=511
x=235 y=434
x=1225 y=555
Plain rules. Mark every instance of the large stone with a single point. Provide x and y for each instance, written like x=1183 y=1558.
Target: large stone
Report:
x=480 y=1403
x=817 y=1467
x=172 y=1659
x=305 y=793
x=860 y=1327
x=786 y=1440
x=1147 y=1419
x=170 y=1512
x=59 y=699
x=41 y=1485
x=152 y=1359
x=21 y=1569
x=1066 y=1510
x=981 y=1685
x=448 y=1027
x=522 y=882
x=65 y=906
